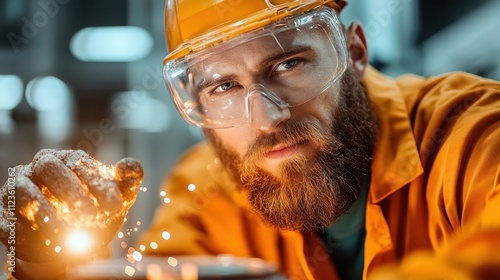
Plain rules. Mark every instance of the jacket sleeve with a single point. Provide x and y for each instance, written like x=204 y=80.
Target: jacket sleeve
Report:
x=473 y=253
x=469 y=167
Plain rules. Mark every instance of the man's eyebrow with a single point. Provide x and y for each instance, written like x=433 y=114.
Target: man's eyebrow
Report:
x=264 y=63
x=279 y=56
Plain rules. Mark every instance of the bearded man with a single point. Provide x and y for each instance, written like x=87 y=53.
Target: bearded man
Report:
x=314 y=161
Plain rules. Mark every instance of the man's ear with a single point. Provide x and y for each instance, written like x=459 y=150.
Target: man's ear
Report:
x=356 y=42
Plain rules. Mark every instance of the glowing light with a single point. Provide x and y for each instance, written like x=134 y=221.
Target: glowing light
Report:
x=47 y=93
x=47 y=242
x=137 y=256
x=136 y=229
x=166 y=200
x=165 y=235
x=11 y=91
x=130 y=271
x=131 y=250
x=129 y=258
x=153 y=245
x=79 y=242
x=120 y=235
x=53 y=100
x=115 y=43
x=191 y=187
x=172 y=261
x=57 y=249
x=30 y=211
x=142 y=247
x=163 y=193
x=46 y=219
x=107 y=172
x=138 y=223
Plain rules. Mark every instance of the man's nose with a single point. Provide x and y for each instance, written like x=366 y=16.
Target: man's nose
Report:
x=267 y=113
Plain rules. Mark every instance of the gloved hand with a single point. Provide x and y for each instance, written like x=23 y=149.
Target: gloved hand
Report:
x=63 y=191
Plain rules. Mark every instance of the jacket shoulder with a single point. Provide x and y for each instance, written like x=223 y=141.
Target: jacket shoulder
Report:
x=431 y=92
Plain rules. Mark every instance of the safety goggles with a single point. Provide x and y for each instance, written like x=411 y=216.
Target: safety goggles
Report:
x=288 y=62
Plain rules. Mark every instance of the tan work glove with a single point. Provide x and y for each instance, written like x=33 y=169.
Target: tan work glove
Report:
x=63 y=191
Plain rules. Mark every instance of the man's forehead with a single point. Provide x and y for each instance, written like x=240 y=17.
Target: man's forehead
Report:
x=265 y=41
x=259 y=48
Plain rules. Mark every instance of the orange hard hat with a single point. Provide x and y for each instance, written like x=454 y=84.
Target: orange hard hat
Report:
x=192 y=25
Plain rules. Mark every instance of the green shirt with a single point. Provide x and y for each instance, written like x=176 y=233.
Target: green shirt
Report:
x=345 y=239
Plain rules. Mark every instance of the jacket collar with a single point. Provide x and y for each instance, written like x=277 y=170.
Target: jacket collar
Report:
x=396 y=160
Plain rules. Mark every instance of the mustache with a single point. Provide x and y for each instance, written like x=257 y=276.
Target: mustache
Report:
x=289 y=133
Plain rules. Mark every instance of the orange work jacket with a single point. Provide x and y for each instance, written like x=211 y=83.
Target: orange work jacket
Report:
x=433 y=208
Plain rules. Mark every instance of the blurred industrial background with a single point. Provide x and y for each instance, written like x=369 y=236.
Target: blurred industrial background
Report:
x=87 y=74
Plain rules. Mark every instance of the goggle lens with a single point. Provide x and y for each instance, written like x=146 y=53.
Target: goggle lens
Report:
x=290 y=63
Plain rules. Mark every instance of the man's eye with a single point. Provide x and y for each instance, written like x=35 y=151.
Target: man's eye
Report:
x=287 y=65
x=225 y=87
